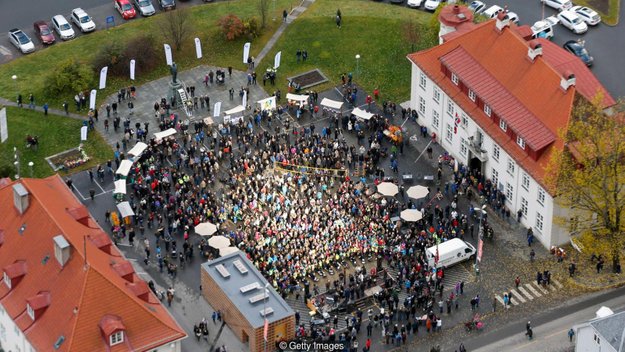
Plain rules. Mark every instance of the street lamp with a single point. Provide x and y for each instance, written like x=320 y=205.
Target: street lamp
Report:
x=14 y=78
x=16 y=162
x=480 y=233
x=30 y=167
x=357 y=63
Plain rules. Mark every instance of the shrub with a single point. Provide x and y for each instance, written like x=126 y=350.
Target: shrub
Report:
x=252 y=27
x=70 y=76
x=117 y=56
x=111 y=55
x=231 y=26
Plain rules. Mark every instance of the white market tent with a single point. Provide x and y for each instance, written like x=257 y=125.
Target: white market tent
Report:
x=235 y=110
x=125 y=209
x=163 y=134
x=138 y=149
x=297 y=97
x=227 y=250
x=120 y=187
x=332 y=104
x=362 y=114
x=124 y=167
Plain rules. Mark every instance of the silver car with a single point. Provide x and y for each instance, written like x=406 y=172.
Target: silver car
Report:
x=145 y=7
x=21 y=41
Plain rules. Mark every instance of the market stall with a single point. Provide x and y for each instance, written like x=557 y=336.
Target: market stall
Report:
x=137 y=150
x=331 y=106
x=297 y=99
x=361 y=114
x=124 y=168
x=233 y=115
x=164 y=134
x=268 y=104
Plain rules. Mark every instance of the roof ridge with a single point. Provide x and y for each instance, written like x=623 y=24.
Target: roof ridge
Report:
x=70 y=339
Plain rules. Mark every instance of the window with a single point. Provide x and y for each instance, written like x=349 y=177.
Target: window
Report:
x=525 y=181
x=511 y=166
x=3 y=333
x=487 y=110
x=422 y=80
x=116 y=338
x=454 y=78
x=503 y=125
x=509 y=191
x=464 y=122
x=472 y=95
x=524 y=207
x=16 y=330
x=463 y=147
x=422 y=105
x=521 y=142
x=541 y=196
x=495 y=177
x=437 y=94
x=496 y=151
x=30 y=311
x=450 y=133
x=7 y=280
x=435 y=119
x=539 y=221
x=450 y=108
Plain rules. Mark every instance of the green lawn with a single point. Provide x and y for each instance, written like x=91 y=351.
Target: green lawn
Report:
x=372 y=30
x=33 y=69
x=56 y=134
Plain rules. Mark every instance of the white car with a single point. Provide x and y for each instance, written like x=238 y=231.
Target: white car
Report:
x=145 y=7
x=414 y=3
x=82 y=20
x=590 y=16
x=492 y=11
x=559 y=5
x=477 y=6
x=544 y=29
x=572 y=21
x=513 y=17
x=432 y=5
x=21 y=41
x=62 y=27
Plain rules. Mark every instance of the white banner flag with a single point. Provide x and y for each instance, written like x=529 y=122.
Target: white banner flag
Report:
x=4 y=128
x=268 y=103
x=92 y=99
x=276 y=59
x=83 y=133
x=132 y=69
x=246 y=51
x=244 y=103
x=198 y=48
x=168 y=57
x=103 y=72
x=217 y=109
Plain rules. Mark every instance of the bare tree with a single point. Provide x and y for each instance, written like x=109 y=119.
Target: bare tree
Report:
x=263 y=9
x=175 y=26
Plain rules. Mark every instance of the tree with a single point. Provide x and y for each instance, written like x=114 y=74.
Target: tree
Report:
x=175 y=26
x=263 y=9
x=588 y=176
x=231 y=26
x=70 y=76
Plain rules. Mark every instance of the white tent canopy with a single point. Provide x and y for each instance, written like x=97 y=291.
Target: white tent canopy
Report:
x=125 y=209
x=205 y=229
x=124 y=167
x=219 y=242
x=362 y=114
x=411 y=215
x=297 y=97
x=235 y=110
x=388 y=189
x=417 y=192
x=138 y=149
x=227 y=250
x=120 y=187
x=164 y=134
x=332 y=104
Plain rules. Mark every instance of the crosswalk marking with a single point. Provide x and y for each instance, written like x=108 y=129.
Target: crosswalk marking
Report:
x=552 y=288
x=540 y=288
x=522 y=290
x=531 y=288
x=516 y=296
x=514 y=301
x=557 y=283
x=500 y=299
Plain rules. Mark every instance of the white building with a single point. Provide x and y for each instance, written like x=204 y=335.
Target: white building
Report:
x=602 y=334
x=496 y=104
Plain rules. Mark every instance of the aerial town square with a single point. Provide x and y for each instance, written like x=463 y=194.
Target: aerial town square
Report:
x=312 y=175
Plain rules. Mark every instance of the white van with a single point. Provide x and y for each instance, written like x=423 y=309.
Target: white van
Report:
x=450 y=252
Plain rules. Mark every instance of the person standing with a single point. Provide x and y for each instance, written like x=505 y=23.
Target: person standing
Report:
x=517 y=282
x=31 y=101
x=170 y=295
x=285 y=14
x=571 y=333
x=45 y=109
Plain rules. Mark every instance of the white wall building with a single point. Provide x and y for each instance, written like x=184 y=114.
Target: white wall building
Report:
x=602 y=334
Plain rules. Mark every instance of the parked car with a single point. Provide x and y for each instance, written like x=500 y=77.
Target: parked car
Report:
x=577 y=48
x=544 y=29
x=43 y=32
x=82 y=20
x=125 y=8
x=477 y=7
x=559 y=5
x=397 y=2
x=167 y=4
x=62 y=27
x=513 y=16
x=432 y=5
x=414 y=3
x=572 y=21
x=145 y=7
x=21 y=41
x=492 y=11
x=590 y=16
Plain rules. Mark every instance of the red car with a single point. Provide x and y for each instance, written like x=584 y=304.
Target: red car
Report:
x=44 y=33
x=125 y=8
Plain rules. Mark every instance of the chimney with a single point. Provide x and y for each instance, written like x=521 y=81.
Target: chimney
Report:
x=535 y=50
x=62 y=250
x=20 y=198
x=568 y=80
x=456 y=9
x=502 y=21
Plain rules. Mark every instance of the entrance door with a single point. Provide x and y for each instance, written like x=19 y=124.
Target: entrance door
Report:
x=475 y=166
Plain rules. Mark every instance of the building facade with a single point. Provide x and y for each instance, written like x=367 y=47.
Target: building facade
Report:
x=605 y=333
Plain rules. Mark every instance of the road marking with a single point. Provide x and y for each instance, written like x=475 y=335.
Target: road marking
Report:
x=541 y=288
x=500 y=300
x=513 y=300
x=531 y=288
x=4 y=51
x=124 y=245
x=522 y=290
x=552 y=288
x=516 y=295
x=557 y=283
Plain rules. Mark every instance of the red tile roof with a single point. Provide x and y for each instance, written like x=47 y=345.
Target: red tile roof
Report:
x=534 y=86
x=83 y=291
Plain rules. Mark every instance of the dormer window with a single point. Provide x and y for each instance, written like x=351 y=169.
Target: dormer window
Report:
x=503 y=125
x=454 y=78
x=472 y=95
x=487 y=110
x=116 y=338
x=7 y=280
x=30 y=311
x=521 y=142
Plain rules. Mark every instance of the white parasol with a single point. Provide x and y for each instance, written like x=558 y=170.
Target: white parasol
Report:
x=205 y=229
x=219 y=242
x=417 y=192
x=120 y=187
x=411 y=215
x=227 y=250
x=388 y=189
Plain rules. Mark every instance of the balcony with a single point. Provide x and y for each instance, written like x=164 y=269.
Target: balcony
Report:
x=475 y=147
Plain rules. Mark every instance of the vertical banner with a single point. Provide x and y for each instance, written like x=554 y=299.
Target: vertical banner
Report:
x=92 y=99
x=246 y=51
x=103 y=73
x=217 y=109
x=198 y=48
x=480 y=250
x=132 y=69
x=4 y=127
x=168 y=57
x=276 y=59
x=244 y=102
x=83 y=133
